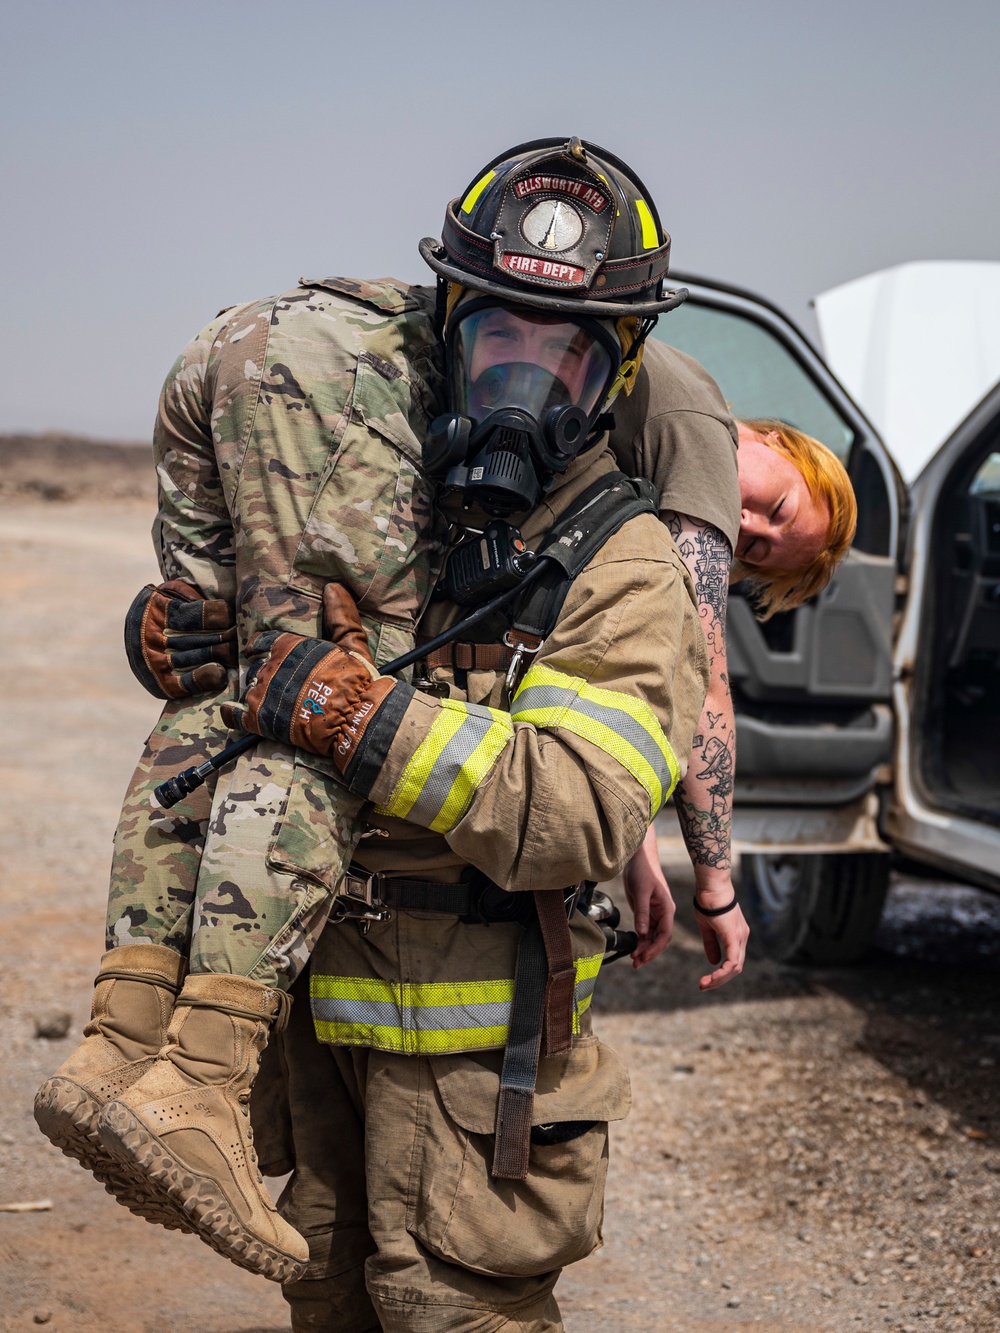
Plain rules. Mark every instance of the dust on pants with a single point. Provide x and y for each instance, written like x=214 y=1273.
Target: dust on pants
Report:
x=213 y=877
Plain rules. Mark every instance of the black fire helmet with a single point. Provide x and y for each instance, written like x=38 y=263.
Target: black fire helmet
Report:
x=561 y=225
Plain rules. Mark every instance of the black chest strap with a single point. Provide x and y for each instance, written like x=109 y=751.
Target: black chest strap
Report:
x=544 y=983
x=596 y=515
x=572 y=542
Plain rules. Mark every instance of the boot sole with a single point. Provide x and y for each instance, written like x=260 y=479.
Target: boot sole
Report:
x=67 y=1115
x=205 y=1206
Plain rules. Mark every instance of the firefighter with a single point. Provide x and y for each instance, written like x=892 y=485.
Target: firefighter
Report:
x=450 y=1145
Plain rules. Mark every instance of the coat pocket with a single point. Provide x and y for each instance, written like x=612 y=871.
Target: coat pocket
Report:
x=516 y=1227
x=371 y=524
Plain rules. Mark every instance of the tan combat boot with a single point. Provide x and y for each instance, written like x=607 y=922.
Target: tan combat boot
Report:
x=186 y=1124
x=134 y=997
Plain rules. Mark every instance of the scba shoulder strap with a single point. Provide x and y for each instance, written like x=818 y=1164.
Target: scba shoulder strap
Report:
x=544 y=985
x=572 y=542
x=595 y=516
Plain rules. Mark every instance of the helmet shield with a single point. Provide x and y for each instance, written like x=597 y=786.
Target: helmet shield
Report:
x=504 y=356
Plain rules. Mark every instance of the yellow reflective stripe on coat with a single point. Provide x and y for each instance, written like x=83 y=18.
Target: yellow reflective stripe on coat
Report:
x=624 y=727
x=438 y=783
x=426 y=1018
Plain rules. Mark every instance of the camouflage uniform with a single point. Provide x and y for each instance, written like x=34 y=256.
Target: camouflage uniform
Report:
x=158 y=852
x=287 y=449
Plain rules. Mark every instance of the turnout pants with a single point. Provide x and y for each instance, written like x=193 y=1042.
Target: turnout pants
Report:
x=391 y=1184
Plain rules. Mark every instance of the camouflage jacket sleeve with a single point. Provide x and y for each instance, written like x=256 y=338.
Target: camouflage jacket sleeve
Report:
x=192 y=532
x=564 y=786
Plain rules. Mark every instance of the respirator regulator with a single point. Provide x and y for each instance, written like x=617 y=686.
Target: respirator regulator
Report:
x=527 y=388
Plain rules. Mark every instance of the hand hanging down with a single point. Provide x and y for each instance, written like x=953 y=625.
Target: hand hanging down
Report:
x=653 y=908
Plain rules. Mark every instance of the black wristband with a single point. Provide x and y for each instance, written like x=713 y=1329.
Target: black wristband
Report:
x=715 y=911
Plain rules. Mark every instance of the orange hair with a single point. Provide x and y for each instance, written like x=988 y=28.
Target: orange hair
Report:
x=829 y=485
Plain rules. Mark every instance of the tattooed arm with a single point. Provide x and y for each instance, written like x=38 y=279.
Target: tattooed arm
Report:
x=704 y=799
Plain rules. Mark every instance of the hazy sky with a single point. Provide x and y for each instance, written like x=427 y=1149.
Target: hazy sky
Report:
x=162 y=160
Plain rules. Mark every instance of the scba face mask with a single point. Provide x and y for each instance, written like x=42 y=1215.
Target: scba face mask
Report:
x=526 y=390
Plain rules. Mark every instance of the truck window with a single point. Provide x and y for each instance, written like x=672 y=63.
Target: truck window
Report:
x=757 y=374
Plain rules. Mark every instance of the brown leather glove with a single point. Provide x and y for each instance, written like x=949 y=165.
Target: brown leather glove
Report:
x=178 y=641
x=343 y=624
x=317 y=694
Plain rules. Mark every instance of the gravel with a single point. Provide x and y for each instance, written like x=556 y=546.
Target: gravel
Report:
x=813 y=1151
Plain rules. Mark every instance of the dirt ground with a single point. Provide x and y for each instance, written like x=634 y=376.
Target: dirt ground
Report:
x=807 y=1151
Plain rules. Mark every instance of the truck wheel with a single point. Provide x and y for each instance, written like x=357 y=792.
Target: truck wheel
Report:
x=814 y=909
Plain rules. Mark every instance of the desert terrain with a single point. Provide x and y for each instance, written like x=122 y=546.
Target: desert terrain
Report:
x=807 y=1150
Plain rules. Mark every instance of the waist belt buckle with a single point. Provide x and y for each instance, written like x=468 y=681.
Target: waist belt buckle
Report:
x=359 y=898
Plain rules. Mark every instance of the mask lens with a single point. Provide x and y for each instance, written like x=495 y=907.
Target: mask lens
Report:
x=506 y=358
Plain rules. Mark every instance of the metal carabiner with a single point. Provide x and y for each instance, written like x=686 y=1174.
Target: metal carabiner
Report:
x=512 y=671
x=521 y=650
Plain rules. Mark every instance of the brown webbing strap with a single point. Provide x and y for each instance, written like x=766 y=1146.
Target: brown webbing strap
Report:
x=521 y=638
x=544 y=986
x=471 y=657
x=560 y=986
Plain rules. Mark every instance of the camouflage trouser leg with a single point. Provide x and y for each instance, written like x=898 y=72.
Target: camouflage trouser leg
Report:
x=281 y=835
x=158 y=852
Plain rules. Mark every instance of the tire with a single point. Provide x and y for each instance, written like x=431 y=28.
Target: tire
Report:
x=814 y=909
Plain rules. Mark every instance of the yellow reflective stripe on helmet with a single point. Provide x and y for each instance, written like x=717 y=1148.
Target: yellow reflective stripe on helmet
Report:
x=650 y=239
x=604 y=178
x=469 y=202
x=438 y=783
x=426 y=1018
x=624 y=727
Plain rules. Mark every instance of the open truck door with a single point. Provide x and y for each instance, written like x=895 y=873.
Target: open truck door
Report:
x=812 y=688
x=945 y=806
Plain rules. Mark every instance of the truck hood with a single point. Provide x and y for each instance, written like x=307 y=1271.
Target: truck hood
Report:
x=917 y=345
